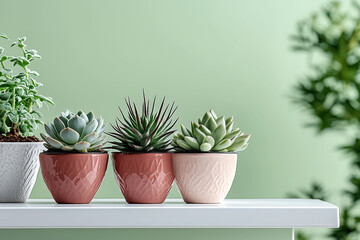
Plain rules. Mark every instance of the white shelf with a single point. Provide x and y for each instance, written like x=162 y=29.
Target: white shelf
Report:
x=115 y=213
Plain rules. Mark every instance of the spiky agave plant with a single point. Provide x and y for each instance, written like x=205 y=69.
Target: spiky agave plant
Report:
x=148 y=132
x=211 y=134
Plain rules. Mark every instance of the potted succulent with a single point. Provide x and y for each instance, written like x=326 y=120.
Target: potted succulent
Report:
x=205 y=162
x=74 y=165
x=143 y=165
x=19 y=98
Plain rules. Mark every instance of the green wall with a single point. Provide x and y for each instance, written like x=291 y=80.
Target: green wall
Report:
x=233 y=56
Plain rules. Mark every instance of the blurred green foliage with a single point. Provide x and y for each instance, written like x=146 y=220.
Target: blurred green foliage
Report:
x=331 y=93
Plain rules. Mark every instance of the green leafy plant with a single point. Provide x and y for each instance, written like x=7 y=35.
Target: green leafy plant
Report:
x=331 y=94
x=210 y=134
x=18 y=91
x=148 y=132
x=75 y=132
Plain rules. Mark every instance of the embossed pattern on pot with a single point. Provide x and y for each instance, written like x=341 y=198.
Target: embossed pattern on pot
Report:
x=204 y=177
x=19 y=165
x=73 y=178
x=144 y=177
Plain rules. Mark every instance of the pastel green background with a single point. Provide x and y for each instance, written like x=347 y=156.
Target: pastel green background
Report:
x=230 y=55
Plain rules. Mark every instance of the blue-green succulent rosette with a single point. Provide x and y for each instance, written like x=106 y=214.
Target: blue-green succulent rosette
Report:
x=78 y=132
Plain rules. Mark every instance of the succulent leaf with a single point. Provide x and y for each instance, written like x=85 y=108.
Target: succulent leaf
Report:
x=91 y=137
x=81 y=146
x=83 y=116
x=64 y=120
x=205 y=147
x=48 y=146
x=59 y=125
x=67 y=148
x=192 y=142
x=50 y=130
x=90 y=116
x=184 y=130
x=213 y=113
x=210 y=140
x=206 y=117
x=77 y=123
x=229 y=126
x=210 y=134
x=90 y=127
x=199 y=135
x=99 y=141
x=211 y=124
x=219 y=133
x=69 y=135
x=194 y=125
x=180 y=136
x=244 y=137
x=240 y=143
x=229 y=119
x=94 y=147
x=100 y=124
x=223 y=144
x=221 y=120
x=183 y=145
x=234 y=133
x=236 y=147
x=53 y=142
x=101 y=130
x=205 y=130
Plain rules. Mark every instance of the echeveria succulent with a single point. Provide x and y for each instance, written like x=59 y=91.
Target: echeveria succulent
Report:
x=211 y=134
x=75 y=132
x=145 y=132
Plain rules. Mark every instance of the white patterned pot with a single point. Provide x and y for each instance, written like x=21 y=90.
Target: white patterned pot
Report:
x=204 y=177
x=19 y=165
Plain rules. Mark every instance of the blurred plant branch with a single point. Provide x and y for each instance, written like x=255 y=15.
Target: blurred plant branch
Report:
x=331 y=94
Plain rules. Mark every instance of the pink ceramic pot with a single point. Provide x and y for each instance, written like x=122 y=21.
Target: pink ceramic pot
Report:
x=144 y=177
x=73 y=177
x=204 y=177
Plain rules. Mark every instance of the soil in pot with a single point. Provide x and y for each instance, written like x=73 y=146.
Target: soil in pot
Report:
x=16 y=137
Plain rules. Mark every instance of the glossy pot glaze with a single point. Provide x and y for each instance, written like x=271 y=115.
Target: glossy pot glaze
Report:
x=144 y=177
x=204 y=177
x=73 y=177
x=19 y=166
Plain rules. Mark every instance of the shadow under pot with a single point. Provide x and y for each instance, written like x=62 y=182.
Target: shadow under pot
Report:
x=204 y=177
x=73 y=177
x=19 y=166
x=144 y=177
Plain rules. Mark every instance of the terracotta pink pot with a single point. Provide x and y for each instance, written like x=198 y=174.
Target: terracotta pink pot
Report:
x=144 y=177
x=73 y=177
x=204 y=177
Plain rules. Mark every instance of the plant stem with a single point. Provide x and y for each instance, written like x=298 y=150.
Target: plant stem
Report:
x=30 y=107
x=25 y=69
x=13 y=98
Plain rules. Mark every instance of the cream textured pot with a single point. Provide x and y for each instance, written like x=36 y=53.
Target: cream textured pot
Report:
x=204 y=177
x=19 y=165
